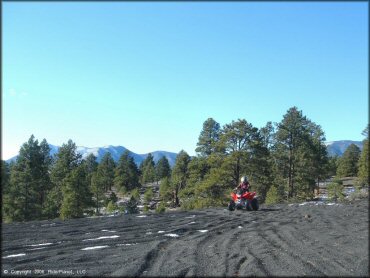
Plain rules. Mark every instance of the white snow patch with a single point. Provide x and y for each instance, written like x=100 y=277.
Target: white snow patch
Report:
x=172 y=235
x=141 y=215
x=40 y=244
x=191 y=223
x=161 y=232
x=240 y=227
x=108 y=231
x=52 y=224
x=126 y=244
x=148 y=233
x=202 y=231
x=15 y=255
x=95 y=247
x=102 y=237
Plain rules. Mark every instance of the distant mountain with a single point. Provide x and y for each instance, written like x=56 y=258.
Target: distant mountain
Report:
x=116 y=152
x=339 y=147
x=333 y=147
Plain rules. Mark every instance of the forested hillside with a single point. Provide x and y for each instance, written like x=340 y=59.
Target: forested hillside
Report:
x=284 y=161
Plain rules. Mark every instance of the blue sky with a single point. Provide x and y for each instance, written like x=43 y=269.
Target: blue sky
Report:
x=147 y=75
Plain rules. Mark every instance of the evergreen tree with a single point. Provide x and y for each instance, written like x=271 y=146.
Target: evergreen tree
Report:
x=179 y=175
x=347 y=166
x=23 y=198
x=363 y=163
x=332 y=165
x=299 y=153
x=91 y=166
x=335 y=190
x=76 y=194
x=148 y=195
x=126 y=173
x=106 y=171
x=5 y=176
x=162 y=168
x=67 y=159
x=97 y=188
x=147 y=169
x=165 y=189
x=237 y=139
x=208 y=137
x=91 y=163
x=132 y=206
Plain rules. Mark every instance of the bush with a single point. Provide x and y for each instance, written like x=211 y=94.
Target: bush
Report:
x=335 y=190
x=274 y=195
x=146 y=208
x=161 y=208
x=111 y=207
x=135 y=193
x=132 y=206
x=148 y=195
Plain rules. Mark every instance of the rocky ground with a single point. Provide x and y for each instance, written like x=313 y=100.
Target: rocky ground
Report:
x=314 y=239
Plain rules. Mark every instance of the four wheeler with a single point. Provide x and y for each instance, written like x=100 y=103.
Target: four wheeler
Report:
x=243 y=200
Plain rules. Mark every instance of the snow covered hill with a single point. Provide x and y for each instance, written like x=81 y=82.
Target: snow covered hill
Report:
x=116 y=152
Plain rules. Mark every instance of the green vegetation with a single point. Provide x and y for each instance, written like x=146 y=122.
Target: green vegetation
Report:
x=348 y=163
x=147 y=168
x=148 y=195
x=335 y=190
x=284 y=161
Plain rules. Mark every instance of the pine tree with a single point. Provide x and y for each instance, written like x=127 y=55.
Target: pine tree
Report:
x=106 y=171
x=237 y=139
x=179 y=175
x=147 y=169
x=28 y=181
x=5 y=176
x=97 y=188
x=299 y=153
x=347 y=166
x=363 y=163
x=76 y=194
x=162 y=168
x=208 y=137
x=67 y=159
x=165 y=189
x=126 y=173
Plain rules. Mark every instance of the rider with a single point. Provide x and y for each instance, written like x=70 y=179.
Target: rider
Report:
x=244 y=185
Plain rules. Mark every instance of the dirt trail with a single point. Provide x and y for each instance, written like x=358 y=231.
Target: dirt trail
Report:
x=281 y=240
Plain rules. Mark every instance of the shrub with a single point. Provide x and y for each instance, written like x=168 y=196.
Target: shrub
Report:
x=161 y=208
x=111 y=207
x=274 y=195
x=148 y=195
x=135 y=193
x=335 y=190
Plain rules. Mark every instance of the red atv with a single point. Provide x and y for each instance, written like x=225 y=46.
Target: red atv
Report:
x=246 y=200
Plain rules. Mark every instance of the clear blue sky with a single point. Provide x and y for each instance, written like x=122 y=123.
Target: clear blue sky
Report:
x=147 y=75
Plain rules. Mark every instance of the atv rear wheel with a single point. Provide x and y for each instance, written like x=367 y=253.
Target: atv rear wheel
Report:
x=231 y=206
x=254 y=204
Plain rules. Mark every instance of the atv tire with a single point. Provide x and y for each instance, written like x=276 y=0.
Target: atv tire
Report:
x=231 y=206
x=254 y=204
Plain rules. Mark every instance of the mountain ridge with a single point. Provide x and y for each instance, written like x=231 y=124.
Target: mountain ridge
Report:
x=335 y=148
x=115 y=151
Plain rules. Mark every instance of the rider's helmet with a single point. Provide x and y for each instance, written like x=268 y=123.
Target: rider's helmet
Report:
x=244 y=179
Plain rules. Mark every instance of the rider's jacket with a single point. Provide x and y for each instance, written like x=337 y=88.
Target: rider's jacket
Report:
x=244 y=186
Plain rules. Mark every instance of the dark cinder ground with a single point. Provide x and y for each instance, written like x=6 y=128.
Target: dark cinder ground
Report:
x=281 y=240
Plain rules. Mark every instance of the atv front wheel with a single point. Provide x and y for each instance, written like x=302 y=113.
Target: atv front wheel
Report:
x=231 y=206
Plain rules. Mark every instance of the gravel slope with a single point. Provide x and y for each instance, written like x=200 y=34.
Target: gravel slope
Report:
x=282 y=240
